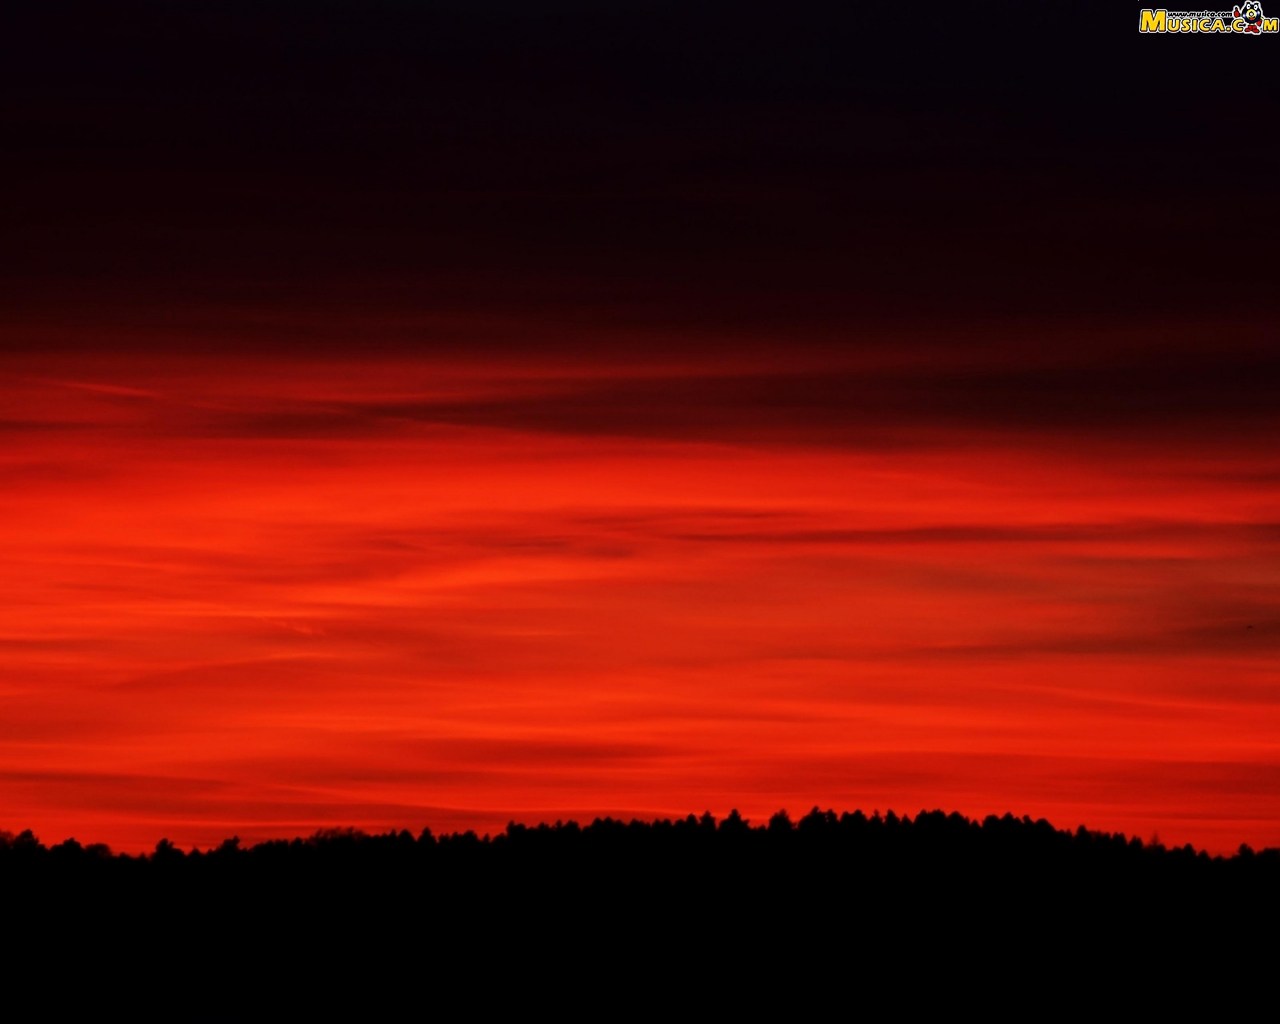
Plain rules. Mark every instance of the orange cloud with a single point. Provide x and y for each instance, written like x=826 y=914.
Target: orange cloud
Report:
x=262 y=596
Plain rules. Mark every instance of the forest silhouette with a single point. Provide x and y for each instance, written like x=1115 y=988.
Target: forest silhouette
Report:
x=734 y=914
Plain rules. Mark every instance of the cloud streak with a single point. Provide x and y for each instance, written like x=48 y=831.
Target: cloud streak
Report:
x=302 y=593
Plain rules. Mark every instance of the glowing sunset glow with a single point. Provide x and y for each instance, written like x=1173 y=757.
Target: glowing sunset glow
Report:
x=264 y=597
x=439 y=414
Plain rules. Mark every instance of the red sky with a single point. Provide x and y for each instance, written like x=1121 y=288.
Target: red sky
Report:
x=263 y=594
x=437 y=414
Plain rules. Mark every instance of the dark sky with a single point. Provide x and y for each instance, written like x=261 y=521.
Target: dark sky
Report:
x=818 y=167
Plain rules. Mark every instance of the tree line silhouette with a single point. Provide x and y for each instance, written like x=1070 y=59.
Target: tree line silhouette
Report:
x=896 y=842
x=935 y=900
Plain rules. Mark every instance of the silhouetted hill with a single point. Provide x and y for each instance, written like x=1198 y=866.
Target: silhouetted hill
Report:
x=742 y=915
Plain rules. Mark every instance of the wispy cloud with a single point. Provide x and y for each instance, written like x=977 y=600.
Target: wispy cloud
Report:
x=326 y=593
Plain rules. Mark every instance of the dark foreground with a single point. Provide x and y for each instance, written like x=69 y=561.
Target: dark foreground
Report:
x=919 y=914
